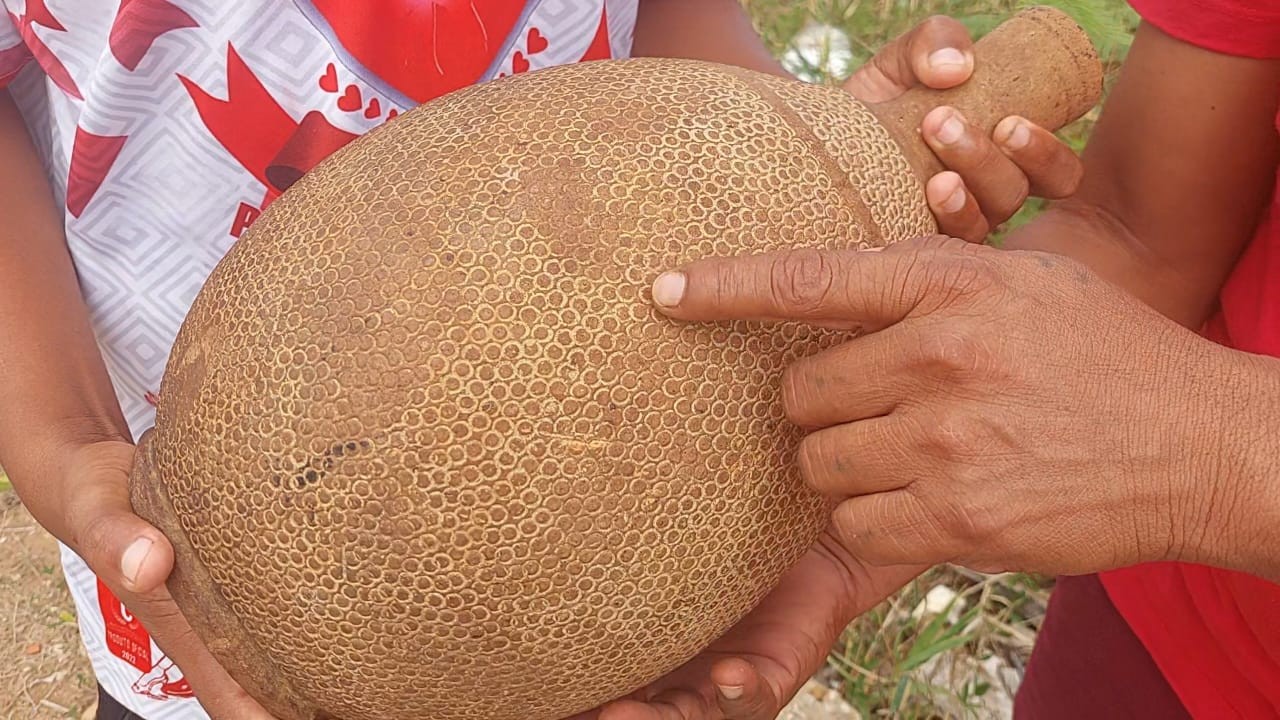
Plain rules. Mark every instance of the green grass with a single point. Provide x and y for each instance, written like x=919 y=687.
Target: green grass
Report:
x=961 y=662
x=896 y=661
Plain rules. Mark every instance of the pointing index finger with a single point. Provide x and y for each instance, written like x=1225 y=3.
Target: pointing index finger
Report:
x=870 y=290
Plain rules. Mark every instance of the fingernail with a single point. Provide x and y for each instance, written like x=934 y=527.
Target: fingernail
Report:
x=951 y=130
x=954 y=201
x=1019 y=137
x=730 y=692
x=668 y=289
x=946 y=59
x=134 y=556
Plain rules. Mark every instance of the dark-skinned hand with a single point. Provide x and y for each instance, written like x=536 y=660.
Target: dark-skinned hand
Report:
x=86 y=505
x=754 y=670
x=1005 y=410
x=988 y=177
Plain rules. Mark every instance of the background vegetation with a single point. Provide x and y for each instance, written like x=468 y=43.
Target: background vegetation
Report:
x=954 y=643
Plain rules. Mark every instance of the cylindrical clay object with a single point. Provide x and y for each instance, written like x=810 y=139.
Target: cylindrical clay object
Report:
x=424 y=449
x=1035 y=65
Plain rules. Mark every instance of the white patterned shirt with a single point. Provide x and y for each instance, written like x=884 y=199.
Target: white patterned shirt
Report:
x=166 y=126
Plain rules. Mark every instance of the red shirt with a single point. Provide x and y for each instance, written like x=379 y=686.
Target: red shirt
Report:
x=1215 y=634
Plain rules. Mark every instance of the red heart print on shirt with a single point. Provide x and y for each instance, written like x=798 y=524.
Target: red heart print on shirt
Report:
x=329 y=81
x=536 y=41
x=351 y=100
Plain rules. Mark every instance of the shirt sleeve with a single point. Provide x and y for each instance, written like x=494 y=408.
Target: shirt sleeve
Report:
x=14 y=54
x=1245 y=28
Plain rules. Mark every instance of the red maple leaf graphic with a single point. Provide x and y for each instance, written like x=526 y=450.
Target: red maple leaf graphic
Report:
x=279 y=149
x=91 y=159
x=38 y=15
x=600 y=48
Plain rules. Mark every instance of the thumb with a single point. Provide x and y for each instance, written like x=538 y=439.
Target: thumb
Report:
x=123 y=550
x=861 y=289
x=134 y=559
x=741 y=692
x=937 y=53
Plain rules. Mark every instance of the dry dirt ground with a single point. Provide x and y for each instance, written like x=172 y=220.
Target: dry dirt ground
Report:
x=43 y=671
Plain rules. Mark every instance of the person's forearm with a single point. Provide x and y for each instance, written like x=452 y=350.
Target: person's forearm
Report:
x=1178 y=170
x=1093 y=236
x=54 y=389
x=712 y=30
